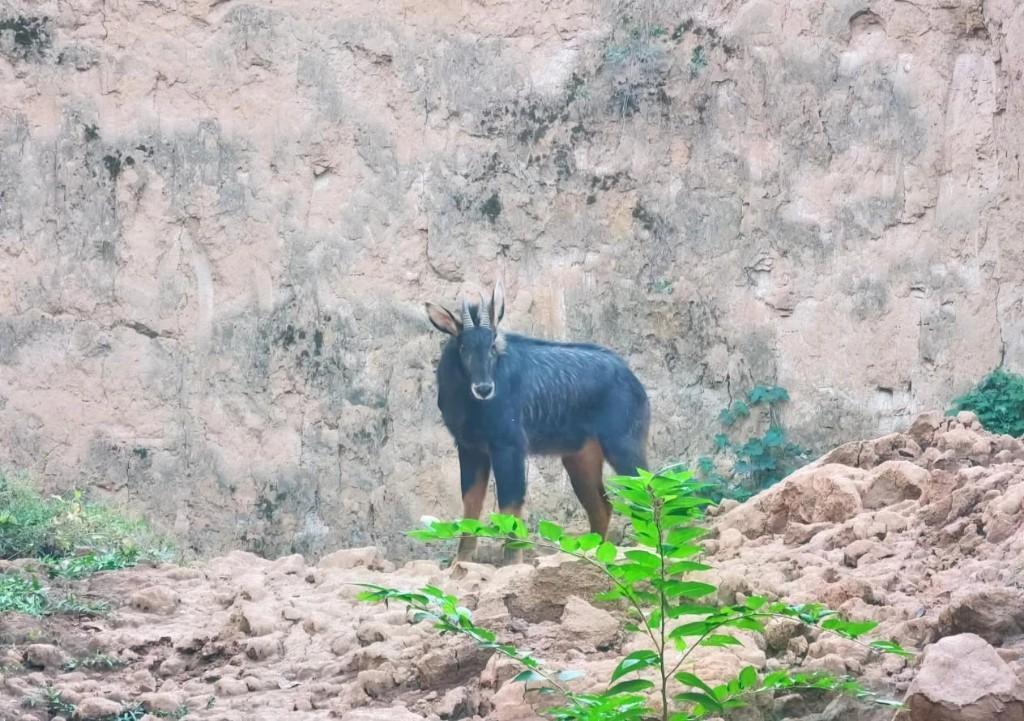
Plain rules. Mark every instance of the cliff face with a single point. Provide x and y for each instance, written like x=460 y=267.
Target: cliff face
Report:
x=218 y=221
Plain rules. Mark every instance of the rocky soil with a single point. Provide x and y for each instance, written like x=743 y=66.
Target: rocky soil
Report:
x=922 y=531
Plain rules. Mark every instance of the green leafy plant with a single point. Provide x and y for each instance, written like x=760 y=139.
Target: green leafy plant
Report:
x=73 y=605
x=998 y=401
x=22 y=594
x=758 y=460
x=698 y=61
x=74 y=537
x=53 y=700
x=74 y=567
x=56 y=704
x=95 y=662
x=652 y=583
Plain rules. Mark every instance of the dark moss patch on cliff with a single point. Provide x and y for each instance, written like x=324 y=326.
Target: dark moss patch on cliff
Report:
x=30 y=37
x=649 y=220
x=491 y=207
x=113 y=165
x=286 y=337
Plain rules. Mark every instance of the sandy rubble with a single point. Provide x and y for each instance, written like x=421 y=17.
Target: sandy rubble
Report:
x=921 y=531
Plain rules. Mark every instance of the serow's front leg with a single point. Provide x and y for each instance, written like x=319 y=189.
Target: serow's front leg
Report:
x=475 y=471
x=510 y=478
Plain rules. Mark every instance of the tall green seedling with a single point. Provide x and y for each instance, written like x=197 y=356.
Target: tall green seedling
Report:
x=657 y=584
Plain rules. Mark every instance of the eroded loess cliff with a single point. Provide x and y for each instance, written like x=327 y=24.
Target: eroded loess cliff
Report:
x=218 y=220
x=922 y=531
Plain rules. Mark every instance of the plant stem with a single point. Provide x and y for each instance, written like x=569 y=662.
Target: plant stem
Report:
x=618 y=584
x=656 y=513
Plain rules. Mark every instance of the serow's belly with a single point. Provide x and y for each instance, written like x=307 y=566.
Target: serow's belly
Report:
x=561 y=442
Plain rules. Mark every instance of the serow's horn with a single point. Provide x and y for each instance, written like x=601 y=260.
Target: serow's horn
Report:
x=485 y=315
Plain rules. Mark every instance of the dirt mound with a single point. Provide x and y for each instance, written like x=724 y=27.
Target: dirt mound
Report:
x=921 y=531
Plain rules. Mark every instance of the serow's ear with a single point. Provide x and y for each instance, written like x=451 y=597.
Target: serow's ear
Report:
x=443 y=320
x=497 y=303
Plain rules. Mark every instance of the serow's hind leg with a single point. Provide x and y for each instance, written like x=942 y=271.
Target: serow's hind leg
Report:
x=475 y=471
x=625 y=455
x=510 y=479
x=585 y=472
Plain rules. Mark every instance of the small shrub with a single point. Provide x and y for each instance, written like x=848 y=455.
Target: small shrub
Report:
x=73 y=605
x=96 y=662
x=52 y=699
x=73 y=537
x=21 y=594
x=74 y=567
x=651 y=581
x=998 y=401
x=25 y=518
x=54 y=703
x=760 y=460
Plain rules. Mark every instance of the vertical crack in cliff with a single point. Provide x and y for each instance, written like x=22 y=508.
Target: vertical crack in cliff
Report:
x=999 y=325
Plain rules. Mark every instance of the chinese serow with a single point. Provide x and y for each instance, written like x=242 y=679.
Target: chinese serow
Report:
x=504 y=396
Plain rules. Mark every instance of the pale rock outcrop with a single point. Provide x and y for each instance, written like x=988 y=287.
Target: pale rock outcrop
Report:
x=589 y=626
x=962 y=678
x=267 y=640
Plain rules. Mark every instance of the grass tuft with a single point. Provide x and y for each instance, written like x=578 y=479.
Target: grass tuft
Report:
x=71 y=538
x=73 y=535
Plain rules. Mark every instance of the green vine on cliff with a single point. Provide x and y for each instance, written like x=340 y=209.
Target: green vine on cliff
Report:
x=998 y=401
x=756 y=461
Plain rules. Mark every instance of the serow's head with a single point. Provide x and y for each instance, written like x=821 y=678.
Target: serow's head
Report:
x=479 y=342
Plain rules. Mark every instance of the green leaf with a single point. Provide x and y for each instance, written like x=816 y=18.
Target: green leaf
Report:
x=851 y=629
x=644 y=558
x=748 y=677
x=432 y=591
x=685 y=534
x=569 y=544
x=891 y=647
x=694 y=628
x=589 y=541
x=703 y=699
x=527 y=676
x=606 y=552
x=550 y=531
x=636 y=661
x=686 y=567
x=718 y=640
x=469 y=526
x=689 y=589
x=631 y=686
x=517 y=545
x=690 y=679
x=774 y=438
x=747 y=624
x=568 y=675
x=683 y=551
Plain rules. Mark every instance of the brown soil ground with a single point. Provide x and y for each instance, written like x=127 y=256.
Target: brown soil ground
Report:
x=921 y=531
